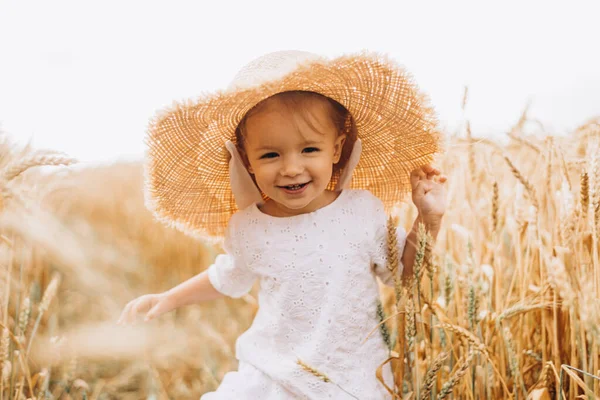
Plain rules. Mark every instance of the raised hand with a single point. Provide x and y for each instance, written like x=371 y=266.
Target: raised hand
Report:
x=429 y=192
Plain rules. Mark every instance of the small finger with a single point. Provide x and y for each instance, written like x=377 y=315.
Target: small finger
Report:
x=431 y=169
x=416 y=175
x=120 y=319
x=136 y=309
x=129 y=311
x=123 y=318
x=418 y=172
x=151 y=314
x=130 y=315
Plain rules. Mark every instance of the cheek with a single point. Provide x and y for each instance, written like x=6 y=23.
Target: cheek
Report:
x=323 y=168
x=265 y=172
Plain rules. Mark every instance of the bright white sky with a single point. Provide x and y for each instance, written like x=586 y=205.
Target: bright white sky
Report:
x=85 y=77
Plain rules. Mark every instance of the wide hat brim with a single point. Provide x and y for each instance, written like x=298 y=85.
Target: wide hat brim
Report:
x=187 y=178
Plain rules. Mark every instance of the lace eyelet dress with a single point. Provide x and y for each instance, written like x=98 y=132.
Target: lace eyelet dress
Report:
x=317 y=300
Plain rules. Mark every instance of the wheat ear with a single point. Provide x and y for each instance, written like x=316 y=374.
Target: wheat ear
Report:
x=462 y=369
x=430 y=378
x=36 y=160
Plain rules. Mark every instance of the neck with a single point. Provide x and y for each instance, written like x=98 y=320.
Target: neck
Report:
x=275 y=209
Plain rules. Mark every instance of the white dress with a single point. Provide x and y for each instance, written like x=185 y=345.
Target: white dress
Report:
x=317 y=300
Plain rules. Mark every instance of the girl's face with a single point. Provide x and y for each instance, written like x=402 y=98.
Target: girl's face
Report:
x=291 y=161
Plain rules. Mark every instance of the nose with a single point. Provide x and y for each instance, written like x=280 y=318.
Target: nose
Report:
x=292 y=166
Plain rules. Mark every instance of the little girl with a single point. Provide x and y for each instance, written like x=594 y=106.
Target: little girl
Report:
x=317 y=150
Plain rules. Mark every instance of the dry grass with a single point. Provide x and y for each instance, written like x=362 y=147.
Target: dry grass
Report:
x=507 y=296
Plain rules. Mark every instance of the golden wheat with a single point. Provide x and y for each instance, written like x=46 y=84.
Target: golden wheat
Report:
x=516 y=304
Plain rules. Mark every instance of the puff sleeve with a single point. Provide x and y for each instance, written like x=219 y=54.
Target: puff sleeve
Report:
x=379 y=255
x=229 y=273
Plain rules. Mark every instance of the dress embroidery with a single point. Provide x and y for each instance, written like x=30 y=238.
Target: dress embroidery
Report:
x=317 y=299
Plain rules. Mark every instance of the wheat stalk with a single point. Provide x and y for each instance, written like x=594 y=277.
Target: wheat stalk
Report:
x=567 y=228
x=547 y=377
x=465 y=98
x=411 y=328
x=420 y=255
x=495 y=198
x=461 y=370
x=513 y=362
x=595 y=188
x=561 y=254
x=428 y=257
x=519 y=309
x=71 y=370
x=517 y=174
x=527 y=143
x=430 y=377
x=448 y=283
x=49 y=294
x=557 y=276
x=320 y=375
x=44 y=376
x=24 y=317
x=584 y=193
x=549 y=164
x=472 y=164
x=473 y=306
x=469 y=336
x=4 y=353
x=393 y=258
x=313 y=371
x=564 y=168
x=596 y=207
x=385 y=333
x=35 y=160
x=520 y=123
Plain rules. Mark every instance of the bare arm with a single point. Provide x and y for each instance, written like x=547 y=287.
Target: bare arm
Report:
x=195 y=290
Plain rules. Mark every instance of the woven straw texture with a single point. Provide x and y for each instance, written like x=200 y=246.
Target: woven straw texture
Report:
x=187 y=177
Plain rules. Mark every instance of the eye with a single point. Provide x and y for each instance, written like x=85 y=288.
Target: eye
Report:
x=268 y=155
x=310 y=150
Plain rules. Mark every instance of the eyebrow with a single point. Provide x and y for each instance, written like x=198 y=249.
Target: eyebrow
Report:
x=304 y=144
x=261 y=149
x=312 y=142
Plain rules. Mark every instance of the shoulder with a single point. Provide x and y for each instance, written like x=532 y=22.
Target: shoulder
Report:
x=366 y=206
x=365 y=200
x=240 y=222
x=239 y=229
x=243 y=217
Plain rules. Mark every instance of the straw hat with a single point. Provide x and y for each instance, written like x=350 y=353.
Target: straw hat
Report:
x=187 y=169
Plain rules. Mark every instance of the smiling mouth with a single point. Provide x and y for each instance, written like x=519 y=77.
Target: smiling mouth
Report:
x=294 y=187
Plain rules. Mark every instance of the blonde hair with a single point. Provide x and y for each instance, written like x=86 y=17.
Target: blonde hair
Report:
x=298 y=102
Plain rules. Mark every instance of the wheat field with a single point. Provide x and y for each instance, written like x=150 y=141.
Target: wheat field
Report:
x=505 y=304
